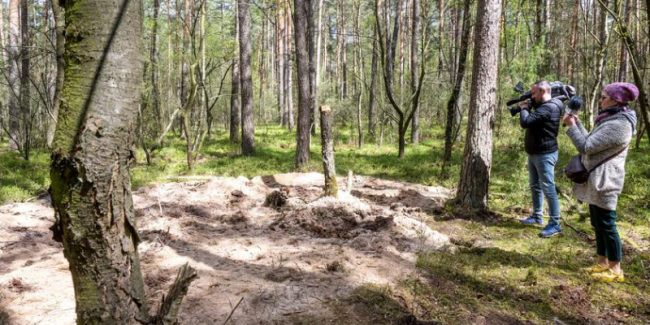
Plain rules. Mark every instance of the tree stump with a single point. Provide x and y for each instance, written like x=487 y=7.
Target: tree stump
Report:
x=329 y=171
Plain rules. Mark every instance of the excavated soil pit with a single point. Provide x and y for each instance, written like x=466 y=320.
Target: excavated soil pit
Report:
x=283 y=258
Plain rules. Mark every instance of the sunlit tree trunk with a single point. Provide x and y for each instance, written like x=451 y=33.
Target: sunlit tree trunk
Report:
x=248 y=126
x=235 y=108
x=13 y=93
x=415 y=128
x=477 y=158
x=301 y=18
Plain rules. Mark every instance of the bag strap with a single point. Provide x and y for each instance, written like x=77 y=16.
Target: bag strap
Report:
x=608 y=158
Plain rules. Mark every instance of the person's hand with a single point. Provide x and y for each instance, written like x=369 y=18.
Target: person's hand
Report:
x=524 y=105
x=569 y=120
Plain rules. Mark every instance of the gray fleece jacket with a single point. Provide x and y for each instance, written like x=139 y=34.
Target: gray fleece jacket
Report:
x=610 y=135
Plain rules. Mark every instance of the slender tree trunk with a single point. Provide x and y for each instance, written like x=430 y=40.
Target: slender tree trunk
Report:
x=59 y=23
x=235 y=108
x=329 y=170
x=372 y=97
x=415 y=128
x=441 y=30
x=458 y=82
x=15 y=141
x=316 y=81
x=288 y=73
x=248 y=126
x=344 y=54
x=154 y=54
x=302 y=33
x=477 y=161
x=313 y=112
x=601 y=55
x=280 y=59
x=25 y=91
x=2 y=37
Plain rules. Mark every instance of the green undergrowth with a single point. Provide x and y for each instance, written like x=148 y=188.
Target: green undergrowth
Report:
x=497 y=271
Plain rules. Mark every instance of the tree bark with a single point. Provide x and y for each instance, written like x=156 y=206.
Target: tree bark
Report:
x=25 y=91
x=235 y=108
x=477 y=159
x=154 y=54
x=373 y=86
x=248 y=126
x=301 y=23
x=59 y=23
x=91 y=154
x=415 y=127
x=15 y=141
x=329 y=170
x=458 y=82
x=441 y=30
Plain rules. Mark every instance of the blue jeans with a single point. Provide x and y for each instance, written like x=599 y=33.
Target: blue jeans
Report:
x=541 y=175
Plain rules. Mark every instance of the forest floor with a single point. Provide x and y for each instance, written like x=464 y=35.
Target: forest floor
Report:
x=281 y=261
x=301 y=264
x=386 y=253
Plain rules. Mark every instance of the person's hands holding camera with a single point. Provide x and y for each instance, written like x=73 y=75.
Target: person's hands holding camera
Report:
x=569 y=120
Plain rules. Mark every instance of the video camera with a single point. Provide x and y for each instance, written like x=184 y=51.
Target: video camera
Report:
x=558 y=90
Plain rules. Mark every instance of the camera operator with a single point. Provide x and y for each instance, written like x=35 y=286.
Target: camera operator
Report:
x=541 y=119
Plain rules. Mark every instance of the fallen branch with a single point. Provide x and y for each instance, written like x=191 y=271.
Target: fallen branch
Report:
x=233 y=311
x=171 y=304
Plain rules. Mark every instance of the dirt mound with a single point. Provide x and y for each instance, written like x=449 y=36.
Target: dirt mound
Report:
x=281 y=259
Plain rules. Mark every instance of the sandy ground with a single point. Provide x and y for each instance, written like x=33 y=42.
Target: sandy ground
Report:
x=278 y=261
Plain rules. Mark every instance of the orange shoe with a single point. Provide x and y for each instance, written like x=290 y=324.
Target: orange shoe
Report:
x=608 y=276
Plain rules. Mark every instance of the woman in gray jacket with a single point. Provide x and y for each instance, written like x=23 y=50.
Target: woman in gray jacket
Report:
x=615 y=126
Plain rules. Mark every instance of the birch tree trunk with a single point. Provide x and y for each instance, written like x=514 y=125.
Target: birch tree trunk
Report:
x=477 y=159
x=91 y=154
x=59 y=23
x=15 y=140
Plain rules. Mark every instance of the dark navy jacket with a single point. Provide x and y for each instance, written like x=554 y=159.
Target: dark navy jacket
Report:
x=542 y=126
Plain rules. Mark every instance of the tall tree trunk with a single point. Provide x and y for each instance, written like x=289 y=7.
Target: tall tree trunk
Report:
x=477 y=159
x=91 y=153
x=248 y=126
x=415 y=128
x=235 y=108
x=280 y=41
x=302 y=33
x=601 y=55
x=25 y=93
x=15 y=141
x=154 y=54
x=372 y=98
x=3 y=42
x=441 y=30
x=288 y=72
x=329 y=169
x=458 y=82
x=623 y=59
x=316 y=81
x=344 y=54
x=59 y=23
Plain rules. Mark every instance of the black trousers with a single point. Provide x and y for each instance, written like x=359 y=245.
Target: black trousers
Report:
x=608 y=243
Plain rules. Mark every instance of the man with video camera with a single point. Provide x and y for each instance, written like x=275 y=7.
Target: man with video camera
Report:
x=541 y=118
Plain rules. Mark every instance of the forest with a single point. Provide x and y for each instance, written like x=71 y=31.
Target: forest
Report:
x=319 y=161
